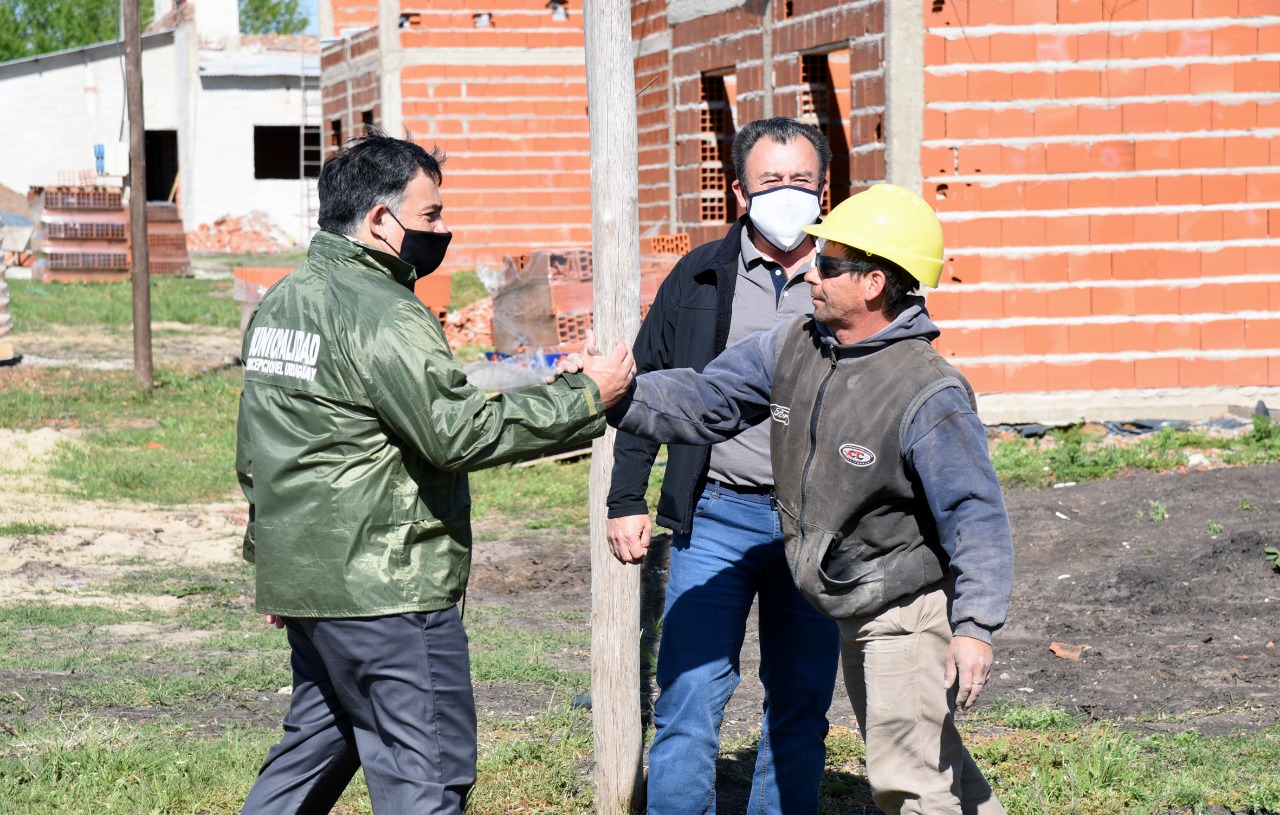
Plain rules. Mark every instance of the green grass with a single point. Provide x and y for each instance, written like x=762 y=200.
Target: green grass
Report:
x=547 y=497
x=42 y=306
x=510 y=647
x=1069 y=455
x=172 y=444
x=28 y=527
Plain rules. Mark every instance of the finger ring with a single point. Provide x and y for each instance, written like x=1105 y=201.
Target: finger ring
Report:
x=977 y=683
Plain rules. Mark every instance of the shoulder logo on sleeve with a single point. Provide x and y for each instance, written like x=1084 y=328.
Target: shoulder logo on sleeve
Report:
x=857 y=455
x=781 y=413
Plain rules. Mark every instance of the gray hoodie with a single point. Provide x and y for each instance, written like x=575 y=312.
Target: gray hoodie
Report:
x=944 y=450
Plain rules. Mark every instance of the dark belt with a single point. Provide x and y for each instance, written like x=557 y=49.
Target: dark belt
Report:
x=758 y=495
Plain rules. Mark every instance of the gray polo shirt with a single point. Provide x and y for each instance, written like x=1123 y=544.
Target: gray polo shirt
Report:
x=757 y=306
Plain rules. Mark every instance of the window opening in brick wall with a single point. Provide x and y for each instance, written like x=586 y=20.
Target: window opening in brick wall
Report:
x=715 y=135
x=335 y=134
x=559 y=10
x=788 y=9
x=366 y=120
x=284 y=151
x=820 y=107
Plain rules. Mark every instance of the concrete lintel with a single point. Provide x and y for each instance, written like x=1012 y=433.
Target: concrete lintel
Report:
x=652 y=44
x=1060 y=408
x=492 y=56
x=682 y=11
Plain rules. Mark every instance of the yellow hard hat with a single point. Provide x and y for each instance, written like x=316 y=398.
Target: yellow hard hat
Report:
x=892 y=222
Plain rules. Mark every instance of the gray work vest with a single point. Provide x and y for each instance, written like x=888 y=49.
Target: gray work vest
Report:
x=859 y=533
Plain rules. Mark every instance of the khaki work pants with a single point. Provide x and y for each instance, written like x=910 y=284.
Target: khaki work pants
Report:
x=893 y=664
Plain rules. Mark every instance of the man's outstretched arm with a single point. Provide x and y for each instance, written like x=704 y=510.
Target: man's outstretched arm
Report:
x=682 y=406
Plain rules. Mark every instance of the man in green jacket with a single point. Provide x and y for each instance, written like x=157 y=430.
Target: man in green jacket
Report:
x=355 y=435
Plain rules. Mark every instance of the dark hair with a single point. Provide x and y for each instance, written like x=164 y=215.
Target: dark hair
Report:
x=782 y=130
x=370 y=170
x=898 y=282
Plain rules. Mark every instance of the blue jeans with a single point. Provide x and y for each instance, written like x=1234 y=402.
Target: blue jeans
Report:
x=734 y=553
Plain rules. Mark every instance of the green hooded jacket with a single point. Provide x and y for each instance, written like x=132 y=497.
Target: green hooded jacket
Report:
x=356 y=431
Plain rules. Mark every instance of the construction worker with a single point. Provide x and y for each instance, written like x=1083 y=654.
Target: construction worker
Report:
x=895 y=524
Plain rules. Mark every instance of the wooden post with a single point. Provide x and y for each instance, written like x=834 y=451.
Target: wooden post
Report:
x=615 y=247
x=140 y=251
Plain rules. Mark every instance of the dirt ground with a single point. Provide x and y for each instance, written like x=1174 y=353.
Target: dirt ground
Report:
x=1178 y=625
x=1175 y=620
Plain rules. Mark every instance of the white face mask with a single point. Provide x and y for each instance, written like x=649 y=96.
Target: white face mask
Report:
x=779 y=214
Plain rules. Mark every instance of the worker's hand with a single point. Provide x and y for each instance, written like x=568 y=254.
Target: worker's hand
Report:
x=629 y=537
x=612 y=373
x=969 y=662
x=278 y=622
x=567 y=364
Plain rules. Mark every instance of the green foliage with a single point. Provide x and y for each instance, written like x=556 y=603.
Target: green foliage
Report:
x=272 y=17
x=466 y=289
x=1019 y=716
x=1214 y=528
x=506 y=647
x=1273 y=557
x=1157 y=512
x=32 y=27
x=538 y=765
x=1245 y=506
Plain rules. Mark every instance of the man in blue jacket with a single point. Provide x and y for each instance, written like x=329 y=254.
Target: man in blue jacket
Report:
x=727 y=551
x=894 y=521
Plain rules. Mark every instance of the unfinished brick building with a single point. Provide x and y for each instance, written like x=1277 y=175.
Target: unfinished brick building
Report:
x=1107 y=171
x=500 y=86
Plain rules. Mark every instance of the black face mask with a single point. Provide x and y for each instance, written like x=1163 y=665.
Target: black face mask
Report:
x=422 y=250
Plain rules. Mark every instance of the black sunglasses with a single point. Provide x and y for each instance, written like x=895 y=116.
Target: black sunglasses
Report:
x=829 y=267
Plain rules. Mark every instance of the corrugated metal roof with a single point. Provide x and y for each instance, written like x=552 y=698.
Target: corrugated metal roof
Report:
x=240 y=63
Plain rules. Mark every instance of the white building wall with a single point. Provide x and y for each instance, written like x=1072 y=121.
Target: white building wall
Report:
x=227 y=109
x=55 y=108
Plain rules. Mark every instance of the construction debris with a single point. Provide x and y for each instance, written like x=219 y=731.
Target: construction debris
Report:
x=470 y=325
x=542 y=301
x=252 y=234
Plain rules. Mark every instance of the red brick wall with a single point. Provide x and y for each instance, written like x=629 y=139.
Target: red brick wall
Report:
x=349 y=15
x=732 y=42
x=518 y=175
x=513 y=123
x=349 y=87
x=653 y=117
x=1107 y=178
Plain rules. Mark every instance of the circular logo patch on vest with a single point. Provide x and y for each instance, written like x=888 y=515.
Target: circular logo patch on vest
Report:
x=857 y=455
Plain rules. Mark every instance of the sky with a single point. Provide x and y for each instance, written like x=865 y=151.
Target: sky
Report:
x=313 y=16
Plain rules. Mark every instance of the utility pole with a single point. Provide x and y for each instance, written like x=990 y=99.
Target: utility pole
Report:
x=140 y=250
x=615 y=251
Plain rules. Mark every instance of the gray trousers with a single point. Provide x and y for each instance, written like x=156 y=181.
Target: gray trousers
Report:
x=390 y=693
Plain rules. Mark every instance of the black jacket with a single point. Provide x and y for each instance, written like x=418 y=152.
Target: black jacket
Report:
x=686 y=327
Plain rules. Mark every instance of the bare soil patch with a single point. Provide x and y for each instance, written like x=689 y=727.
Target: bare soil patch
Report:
x=111 y=347
x=1175 y=619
